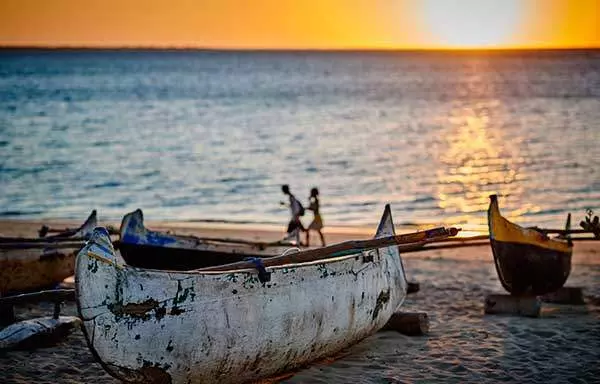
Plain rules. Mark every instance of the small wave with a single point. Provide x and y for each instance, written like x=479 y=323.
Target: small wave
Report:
x=108 y=184
x=10 y=213
x=425 y=199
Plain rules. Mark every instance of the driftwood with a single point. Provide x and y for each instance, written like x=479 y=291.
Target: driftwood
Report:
x=528 y=306
x=565 y=295
x=404 y=241
x=408 y=323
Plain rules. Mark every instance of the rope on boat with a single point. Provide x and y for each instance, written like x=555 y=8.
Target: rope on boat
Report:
x=263 y=275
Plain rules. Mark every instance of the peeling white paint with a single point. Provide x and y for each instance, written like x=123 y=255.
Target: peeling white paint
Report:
x=158 y=326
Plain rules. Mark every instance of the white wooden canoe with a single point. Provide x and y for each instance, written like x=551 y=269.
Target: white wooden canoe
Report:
x=31 y=265
x=153 y=326
x=141 y=247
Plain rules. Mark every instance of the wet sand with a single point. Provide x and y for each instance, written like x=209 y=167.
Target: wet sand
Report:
x=463 y=345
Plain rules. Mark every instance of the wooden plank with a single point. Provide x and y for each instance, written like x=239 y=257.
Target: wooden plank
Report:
x=40 y=244
x=565 y=295
x=429 y=247
x=111 y=230
x=45 y=240
x=54 y=295
x=528 y=306
x=404 y=241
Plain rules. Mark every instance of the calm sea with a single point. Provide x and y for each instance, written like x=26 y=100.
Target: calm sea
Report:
x=194 y=135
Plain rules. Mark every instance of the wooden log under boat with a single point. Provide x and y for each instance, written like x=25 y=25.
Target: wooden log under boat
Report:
x=408 y=323
x=31 y=265
x=144 y=248
x=527 y=261
x=528 y=306
x=565 y=295
x=153 y=326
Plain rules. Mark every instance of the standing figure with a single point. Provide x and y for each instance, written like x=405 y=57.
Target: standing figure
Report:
x=317 y=223
x=296 y=209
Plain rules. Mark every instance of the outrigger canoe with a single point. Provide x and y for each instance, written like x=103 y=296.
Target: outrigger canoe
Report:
x=528 y=262
x=141 y=247
x=238 y=322
x=38 y=263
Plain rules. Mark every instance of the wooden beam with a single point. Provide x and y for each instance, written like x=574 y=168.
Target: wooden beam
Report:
x=405 y=241
x=529 y=306
x=43 y=245
x=565 y=295
x=55 y=295
x=408 y=323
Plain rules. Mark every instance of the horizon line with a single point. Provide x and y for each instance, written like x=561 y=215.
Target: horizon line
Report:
x=249 y=49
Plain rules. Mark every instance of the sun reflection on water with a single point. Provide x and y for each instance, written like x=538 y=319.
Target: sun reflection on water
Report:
x=478 y=160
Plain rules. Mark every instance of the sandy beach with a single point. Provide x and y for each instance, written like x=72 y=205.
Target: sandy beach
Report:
x=463 y=345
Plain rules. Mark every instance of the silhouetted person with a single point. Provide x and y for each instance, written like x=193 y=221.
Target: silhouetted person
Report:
x=317 y=223
x=295 y=225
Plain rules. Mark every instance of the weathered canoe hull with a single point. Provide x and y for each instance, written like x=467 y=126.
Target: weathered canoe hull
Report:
x=527 y=261
x=527 y=269
x=144 y=248
x=149 y=326
x=24 y=270
x=38 y=265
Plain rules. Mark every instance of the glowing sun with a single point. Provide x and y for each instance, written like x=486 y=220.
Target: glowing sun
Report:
x=472 y=23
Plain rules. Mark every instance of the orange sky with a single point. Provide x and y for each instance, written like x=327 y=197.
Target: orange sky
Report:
x=302 y=24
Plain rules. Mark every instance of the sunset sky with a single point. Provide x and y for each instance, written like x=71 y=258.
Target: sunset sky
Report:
x=302 y=24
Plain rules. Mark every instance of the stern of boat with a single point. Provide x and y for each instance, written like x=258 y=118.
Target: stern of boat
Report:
x=87 y=228
x=132 y=227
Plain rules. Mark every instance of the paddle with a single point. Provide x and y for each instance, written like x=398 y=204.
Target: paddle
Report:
x=407 y=241
x=65 y=232
x=70 y=243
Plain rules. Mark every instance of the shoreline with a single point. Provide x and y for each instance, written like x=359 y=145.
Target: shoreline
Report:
x=584 y=252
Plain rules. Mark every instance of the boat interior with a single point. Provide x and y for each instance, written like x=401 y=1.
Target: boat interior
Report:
x=177 y=259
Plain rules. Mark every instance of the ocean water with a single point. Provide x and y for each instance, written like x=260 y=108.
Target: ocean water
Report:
x=193 y=135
